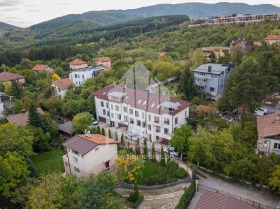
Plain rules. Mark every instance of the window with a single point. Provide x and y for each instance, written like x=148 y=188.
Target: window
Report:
x=212 y=89
x=96 y=149
x=75 y=152
x=166 y=131
x=125 y=109
x=142 y=115
x=104 y=112
x=112 y=115
x=77 y=170
x=131 y=121
x=149 y=127
x=276 y=145
x=136 y=113
x=143 y=124
x=131 y=111
x=66 y=164
x=83 y=76
x=75 y=159
x=119 y=116
x=156 y=119
x=76 y=76
x=176 y=120
x=59 y=90
x=107 y=105
x=117 y=108
x=150 y=118
x=102 y=104
x=108 y=113
x=112 y=107
x=125 y=118
x=166 y=121
x=158 y=129
x=138 y=123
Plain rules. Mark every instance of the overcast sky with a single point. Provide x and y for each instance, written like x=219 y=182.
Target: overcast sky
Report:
x=24 y=13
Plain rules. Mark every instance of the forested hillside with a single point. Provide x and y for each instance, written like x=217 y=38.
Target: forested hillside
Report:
x=6 y=26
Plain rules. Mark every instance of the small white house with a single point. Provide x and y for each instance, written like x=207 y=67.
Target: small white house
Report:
x=61 y=86
x=89 y=154
x=78 y=64
x=79 y=77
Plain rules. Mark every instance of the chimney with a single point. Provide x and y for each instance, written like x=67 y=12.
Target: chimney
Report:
x=209 y=68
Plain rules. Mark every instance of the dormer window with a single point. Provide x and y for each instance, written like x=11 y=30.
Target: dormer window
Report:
x=116 y=95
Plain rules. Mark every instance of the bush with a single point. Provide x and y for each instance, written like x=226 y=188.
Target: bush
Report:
x=187 y=197
x=172 y=166
x=180 y=173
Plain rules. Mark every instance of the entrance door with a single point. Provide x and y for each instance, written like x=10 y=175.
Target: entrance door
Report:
x=107 y=164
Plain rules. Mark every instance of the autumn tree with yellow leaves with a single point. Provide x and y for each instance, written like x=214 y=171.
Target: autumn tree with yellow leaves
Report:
x=128 y=168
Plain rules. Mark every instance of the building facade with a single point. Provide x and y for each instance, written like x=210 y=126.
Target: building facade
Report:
x=211 y=78
x=61 y=86
x=80 y=77
x=271 y=39
x=89 y=154
x=78 y=64
x=103 y=61
x=149 y=115
x=39 y=68
x=268 y=134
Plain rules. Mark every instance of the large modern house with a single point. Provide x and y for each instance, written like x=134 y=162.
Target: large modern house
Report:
x=211 y=78
x=79 y=77
x=269 y=133
x=150 y=115
x=89 y=154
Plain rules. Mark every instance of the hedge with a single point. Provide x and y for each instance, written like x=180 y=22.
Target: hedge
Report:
x=187 y=197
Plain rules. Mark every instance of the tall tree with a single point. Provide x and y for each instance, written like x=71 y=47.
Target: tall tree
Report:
x=187 y=85
x=162 y=156
x=180 y=139
x=274 y=180
x=153 y=153
x=145 y=153
x=81 y=122
x=16 y=90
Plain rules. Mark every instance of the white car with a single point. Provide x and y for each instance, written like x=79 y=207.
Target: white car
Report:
x=261 y=111
x=131 y=137
x=173 y=151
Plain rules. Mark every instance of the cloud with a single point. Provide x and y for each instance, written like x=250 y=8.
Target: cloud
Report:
x=8 y=3
x=33 y=10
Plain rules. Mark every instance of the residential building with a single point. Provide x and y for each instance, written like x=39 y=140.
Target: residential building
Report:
x=39 y=68
x=7 y=77
x=269 y=133
x=77 y=64
x=6 y=104
x=150 y=115
x=211 y=78
x=103 y=61
x=242 y=19
x=61 y=86
x=245 y=45
x=21 y=119
x=219 y=51
x=89 y=154
x=271 y=39
x=79 y=77
x=214 y=200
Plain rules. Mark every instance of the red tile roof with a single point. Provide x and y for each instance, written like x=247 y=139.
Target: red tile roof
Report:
x=21 y=119
x=103 y=59
x=77 y=62
x=161 y=54
x=211 y=200
x=273 y=37
x=64 y=83
x=7 y=76
x=268 y=125
x=39 y=67
x=149 y=102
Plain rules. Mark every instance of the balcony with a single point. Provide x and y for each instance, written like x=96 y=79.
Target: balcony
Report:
x=200 y=83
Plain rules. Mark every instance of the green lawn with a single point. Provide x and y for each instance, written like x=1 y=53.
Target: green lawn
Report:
x=49 y=161
x=154 y=173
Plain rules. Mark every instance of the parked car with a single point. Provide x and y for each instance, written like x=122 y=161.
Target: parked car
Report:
x=173 y=151
x=94 y=122
x=261 y=111
x=131 y=136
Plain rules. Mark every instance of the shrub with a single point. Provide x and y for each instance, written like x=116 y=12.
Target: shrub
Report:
x=180 y=173
x=187 y=197
x=172 y=166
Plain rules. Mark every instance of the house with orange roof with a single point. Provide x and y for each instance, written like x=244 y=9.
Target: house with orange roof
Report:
x=77 y=64
x=40 y=68
x=271 y=39
x=61 y=86
x=103 y=61
x=9 y=77
x=268 y=134
x=89 y=154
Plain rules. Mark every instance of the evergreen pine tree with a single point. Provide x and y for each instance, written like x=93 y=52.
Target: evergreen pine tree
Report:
x=103 y=131
x=17 y=90
x=187 y=84
x=122 y=141
x=153 y=153
x=145 y=149
x=162 y=156
x=109 y=134
x=116 y=136
x=34 y=118
x=98 y=130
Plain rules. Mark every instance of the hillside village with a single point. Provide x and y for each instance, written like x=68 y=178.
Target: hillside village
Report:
x=182 y=116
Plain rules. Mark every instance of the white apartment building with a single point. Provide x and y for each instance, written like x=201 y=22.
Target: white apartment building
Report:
x=89 y=154
x=148 y=115
x=211 y=78
x=80 y=77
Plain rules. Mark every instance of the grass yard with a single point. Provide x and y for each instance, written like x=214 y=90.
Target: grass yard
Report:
x=49 y=161
x=154 y=173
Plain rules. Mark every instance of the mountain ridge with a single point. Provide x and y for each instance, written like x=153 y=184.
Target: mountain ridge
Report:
x=6 y=26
